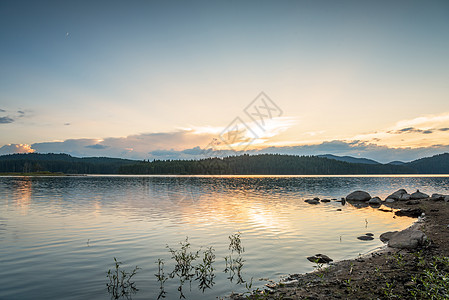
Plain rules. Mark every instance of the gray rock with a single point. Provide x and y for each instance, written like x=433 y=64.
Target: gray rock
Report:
x=320 y=259
x=409 y=212
x=369 y=234
x=397 y=195
x=316 y=198
x=405 y=197
x=418 y=195
x=312 y=201
x=375 y=201
x=406 y=239
x=446 y=198
x=386 y=236
x=390 y=200
x=437 y=197
x=365 y=238
x=358 y=196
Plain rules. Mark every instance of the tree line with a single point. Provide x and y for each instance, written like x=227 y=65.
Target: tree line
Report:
x=263 y=164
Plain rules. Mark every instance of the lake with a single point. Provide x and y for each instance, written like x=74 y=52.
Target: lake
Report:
x=59 y=235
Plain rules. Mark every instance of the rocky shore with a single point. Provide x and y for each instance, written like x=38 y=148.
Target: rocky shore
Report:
x=413 y=264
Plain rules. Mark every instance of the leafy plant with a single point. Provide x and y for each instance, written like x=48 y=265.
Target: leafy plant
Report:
x=433 y=283
x=120 y=284
x=234 y=264
x=205 y=270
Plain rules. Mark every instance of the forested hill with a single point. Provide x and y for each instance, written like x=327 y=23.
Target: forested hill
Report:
x=264 y=164
x=35 y=162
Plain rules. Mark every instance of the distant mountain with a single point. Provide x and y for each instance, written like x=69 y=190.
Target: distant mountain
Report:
x=437 y=164
x=396 y=162
x=351 y=159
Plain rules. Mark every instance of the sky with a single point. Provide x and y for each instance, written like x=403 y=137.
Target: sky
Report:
x=189 y=79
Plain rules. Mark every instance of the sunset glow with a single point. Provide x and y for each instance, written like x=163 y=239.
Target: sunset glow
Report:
x=163 y=80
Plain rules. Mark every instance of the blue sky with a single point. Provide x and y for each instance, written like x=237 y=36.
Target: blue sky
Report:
x=152 y=79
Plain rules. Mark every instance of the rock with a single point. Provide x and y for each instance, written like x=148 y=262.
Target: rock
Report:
x=375 y=201
x=406 y=239
x=369 y=234
x=412 y=202
x=358 y=196
x=325 y=200
x=437 y=197
x=418 y=195
x=316 y=198
x=386 y=236
x=338 y=209
x=365 y=238
x=389 y=200
x=405 y=197
x=409 y=212
x=312 y=201
x=320 y=259
x=397 y=195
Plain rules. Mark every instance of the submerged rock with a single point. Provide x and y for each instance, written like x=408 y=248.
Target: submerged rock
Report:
x=358 y=196
x=375 y=201
x=312 y=201
x=325 y=200
x=418 y=195
x=320 y=259
x=365 y=238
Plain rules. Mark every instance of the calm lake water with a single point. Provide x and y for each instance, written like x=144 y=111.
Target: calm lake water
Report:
x=59 y=235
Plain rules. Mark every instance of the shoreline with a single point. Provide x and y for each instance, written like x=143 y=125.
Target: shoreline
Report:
x=385 y=273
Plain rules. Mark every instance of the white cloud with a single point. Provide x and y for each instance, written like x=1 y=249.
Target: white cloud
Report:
x=16 y=148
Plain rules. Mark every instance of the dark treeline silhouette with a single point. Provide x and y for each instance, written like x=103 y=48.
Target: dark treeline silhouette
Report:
x=263 y=164
x=35 y=162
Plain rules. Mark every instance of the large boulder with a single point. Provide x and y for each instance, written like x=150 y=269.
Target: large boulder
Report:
x=418 y=195
x=406 y=239
x=397 y=195
x=358 y=196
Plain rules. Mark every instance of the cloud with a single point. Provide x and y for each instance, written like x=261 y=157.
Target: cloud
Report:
x=364 y=149
x=412 y=130
x=6 y=120
x=140 y=146
x=97 y=146
x=2 y=110
x=16 y=148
